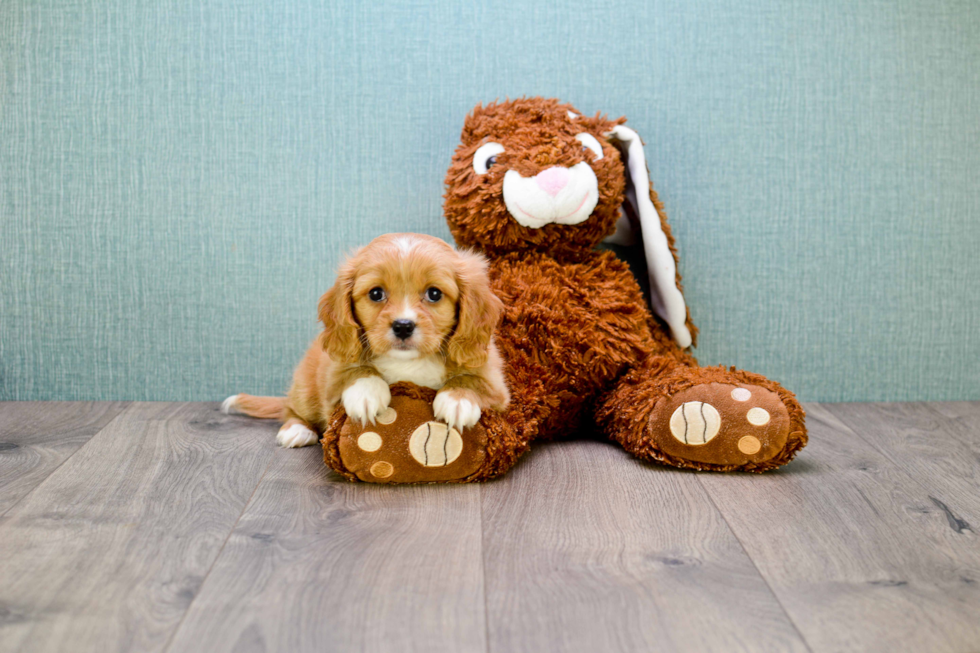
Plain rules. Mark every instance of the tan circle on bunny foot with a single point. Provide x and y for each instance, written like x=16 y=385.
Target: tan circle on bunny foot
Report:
x=749 y=445
x=434 y=444
x=387 y=416
x=369 y=441
x=695 y=422
x=382 y=469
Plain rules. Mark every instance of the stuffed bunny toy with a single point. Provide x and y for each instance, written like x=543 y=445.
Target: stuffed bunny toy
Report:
x=536 y=187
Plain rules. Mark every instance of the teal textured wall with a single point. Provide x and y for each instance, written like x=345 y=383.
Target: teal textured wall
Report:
x=179 y=178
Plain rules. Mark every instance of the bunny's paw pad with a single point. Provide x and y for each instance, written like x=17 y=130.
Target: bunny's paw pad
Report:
x=721 y=424
x=406 y=444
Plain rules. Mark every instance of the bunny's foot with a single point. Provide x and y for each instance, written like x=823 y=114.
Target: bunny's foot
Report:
x=706 y=418
x=721 y=424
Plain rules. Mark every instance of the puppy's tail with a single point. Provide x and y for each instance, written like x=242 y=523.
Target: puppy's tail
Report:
x=263 y=407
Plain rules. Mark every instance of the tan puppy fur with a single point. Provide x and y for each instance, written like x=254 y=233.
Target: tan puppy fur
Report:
x=406 y=278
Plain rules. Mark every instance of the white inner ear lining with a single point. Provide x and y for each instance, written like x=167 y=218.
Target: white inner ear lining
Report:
x=666 y=300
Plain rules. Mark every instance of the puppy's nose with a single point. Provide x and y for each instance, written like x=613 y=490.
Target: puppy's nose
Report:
x=552 y=180
x=403 y=328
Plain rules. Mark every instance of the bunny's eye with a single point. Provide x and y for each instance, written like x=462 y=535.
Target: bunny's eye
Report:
x=486 y=156
x=589 y=142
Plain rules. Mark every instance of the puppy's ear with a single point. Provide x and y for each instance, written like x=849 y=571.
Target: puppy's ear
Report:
x=478 y=311
x=341 y=337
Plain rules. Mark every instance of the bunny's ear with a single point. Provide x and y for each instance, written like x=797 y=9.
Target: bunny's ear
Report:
x=639 y=213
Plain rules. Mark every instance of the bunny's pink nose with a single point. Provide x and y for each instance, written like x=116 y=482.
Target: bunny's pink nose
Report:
x=552 y=180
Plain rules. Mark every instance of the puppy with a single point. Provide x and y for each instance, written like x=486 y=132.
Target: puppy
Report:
x=406 y=307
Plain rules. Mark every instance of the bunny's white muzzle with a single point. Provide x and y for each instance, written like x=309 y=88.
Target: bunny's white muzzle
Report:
x=557 y=194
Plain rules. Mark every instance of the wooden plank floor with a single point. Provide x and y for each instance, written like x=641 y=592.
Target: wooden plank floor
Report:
x=171 y=527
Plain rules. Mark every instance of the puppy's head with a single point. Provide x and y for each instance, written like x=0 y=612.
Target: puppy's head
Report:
x=410 y=295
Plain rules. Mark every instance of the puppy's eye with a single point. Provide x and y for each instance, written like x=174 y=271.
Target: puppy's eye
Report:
x=486 y=156
x=433 y=295
x=589 y=142
x=377 y=294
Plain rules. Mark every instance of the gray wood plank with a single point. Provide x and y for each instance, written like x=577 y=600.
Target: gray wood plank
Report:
x=964 y=420
x=924 y=443
x=108 y=552
x=36 y=437
x=320 y=564
x=854 y=548
x=587 y=549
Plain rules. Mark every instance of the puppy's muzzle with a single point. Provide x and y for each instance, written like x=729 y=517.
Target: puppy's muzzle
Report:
x=403 y=329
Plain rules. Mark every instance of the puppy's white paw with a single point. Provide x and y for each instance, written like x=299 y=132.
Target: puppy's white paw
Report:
x=455 y=411
x=230 y=406
x=366 y=399
x=296 y=435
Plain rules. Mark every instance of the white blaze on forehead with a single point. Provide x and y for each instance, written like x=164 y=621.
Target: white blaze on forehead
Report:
x=572 y=116
x=405 y=244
